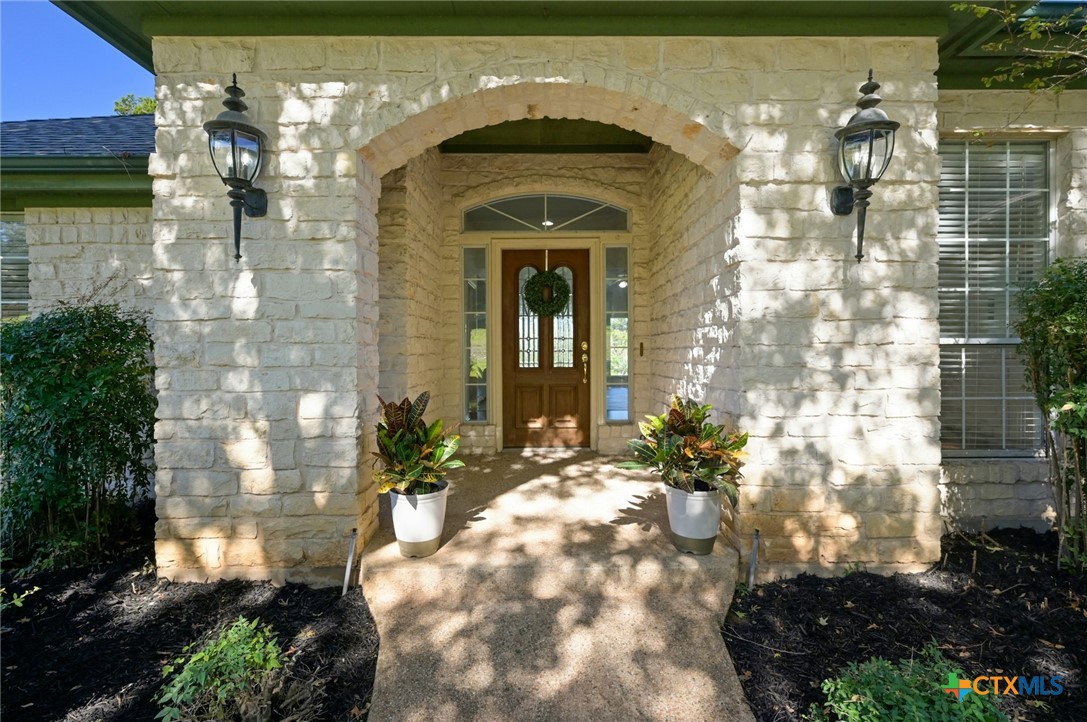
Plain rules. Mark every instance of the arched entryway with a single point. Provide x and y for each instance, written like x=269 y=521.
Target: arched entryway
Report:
x=439 y=331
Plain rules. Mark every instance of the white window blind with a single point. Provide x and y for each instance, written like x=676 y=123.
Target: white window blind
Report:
x=14 y=267
x=994 y=238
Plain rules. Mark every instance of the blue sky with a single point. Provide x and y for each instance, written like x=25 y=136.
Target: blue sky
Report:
x=53 y=67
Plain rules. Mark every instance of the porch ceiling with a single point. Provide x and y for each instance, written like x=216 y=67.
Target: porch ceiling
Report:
x=548 y=135
x=129 y=26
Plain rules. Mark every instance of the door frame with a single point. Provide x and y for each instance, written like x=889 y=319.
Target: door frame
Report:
x=594 y=245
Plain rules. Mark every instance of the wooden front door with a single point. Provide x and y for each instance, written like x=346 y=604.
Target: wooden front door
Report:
x=545 y=360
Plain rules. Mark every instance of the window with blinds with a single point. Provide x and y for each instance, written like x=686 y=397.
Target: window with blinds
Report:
x=14 y=267
x=994 y=238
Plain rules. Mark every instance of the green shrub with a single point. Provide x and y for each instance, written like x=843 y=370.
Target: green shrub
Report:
x=16 y=600
x=688 y=451
x=222 y=676
x=77 y=414
x=1053 y=332
x=414 y=457
x=910 y=691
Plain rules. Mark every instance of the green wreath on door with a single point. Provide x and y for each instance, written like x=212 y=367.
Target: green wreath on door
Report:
x=534 y=293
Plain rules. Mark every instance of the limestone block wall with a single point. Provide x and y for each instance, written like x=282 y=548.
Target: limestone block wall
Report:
x=689 y=270
x=996 y=492
x=690 y=276
x=77 y=252
x=392 y=219
x=839 y=360
x=1072 y=191
x=983 y=494
x=267 y=368
x=414 y=313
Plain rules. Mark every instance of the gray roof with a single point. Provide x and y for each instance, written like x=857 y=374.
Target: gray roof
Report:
x=110 y=135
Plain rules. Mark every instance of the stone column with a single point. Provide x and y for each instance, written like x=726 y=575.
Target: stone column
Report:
x=267 y=367
x=840 y=360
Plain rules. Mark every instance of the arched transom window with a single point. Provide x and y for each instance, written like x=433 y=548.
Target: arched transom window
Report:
x=545 y=213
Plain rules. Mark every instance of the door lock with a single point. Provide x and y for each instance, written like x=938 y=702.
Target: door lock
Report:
x=584 y=345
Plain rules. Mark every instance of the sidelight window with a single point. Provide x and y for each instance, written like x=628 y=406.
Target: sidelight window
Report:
x=617 y=333
x=475 y=334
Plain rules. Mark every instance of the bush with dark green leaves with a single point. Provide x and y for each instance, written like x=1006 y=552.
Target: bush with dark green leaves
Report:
x=77 y=415
x=1053 y=330
x=909 y=691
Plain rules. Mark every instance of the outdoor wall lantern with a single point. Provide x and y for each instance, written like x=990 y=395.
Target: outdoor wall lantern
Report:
x=237 y=147
x=865 y=147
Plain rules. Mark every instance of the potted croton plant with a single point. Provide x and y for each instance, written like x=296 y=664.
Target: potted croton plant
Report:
x=414 y=458
x=698 y=461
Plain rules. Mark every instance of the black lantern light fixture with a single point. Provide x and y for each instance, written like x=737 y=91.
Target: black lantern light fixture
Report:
x=865 y=147
x=237 y=147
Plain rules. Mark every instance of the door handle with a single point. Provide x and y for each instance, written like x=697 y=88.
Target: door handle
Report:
x=584 y=366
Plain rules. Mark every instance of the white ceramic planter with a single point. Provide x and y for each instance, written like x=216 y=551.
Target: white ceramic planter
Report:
x=418 y=520
x=695 y=518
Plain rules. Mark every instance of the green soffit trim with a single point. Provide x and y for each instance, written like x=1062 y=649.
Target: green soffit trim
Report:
x=130 y=25
x=37 y=182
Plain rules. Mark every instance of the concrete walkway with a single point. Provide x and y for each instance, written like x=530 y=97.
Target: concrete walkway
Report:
x=556 y=595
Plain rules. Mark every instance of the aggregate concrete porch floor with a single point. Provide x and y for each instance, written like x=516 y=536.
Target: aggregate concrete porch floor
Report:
x=556 y=595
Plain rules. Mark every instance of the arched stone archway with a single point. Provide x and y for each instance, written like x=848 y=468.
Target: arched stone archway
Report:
x=395 y=164
x=293 y=355
x=427 y=128
x=407 y=148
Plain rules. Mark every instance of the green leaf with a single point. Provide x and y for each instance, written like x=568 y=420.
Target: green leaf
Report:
x=415 y=414
x=643 y=450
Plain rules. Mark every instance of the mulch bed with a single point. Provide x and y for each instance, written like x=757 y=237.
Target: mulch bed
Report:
x=91 y=644
x=996 y=605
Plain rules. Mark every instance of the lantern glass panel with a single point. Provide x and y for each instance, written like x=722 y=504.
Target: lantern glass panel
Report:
x=247 y=156
x=863 y=156
x=221 y=155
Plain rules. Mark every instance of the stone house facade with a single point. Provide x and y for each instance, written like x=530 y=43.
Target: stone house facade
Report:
x=742 y=289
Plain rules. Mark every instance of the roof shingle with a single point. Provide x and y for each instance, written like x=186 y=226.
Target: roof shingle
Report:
x=110 y=135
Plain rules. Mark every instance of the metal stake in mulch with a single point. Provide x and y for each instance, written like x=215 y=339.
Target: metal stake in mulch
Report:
x=350 y=561
x=754 y=561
